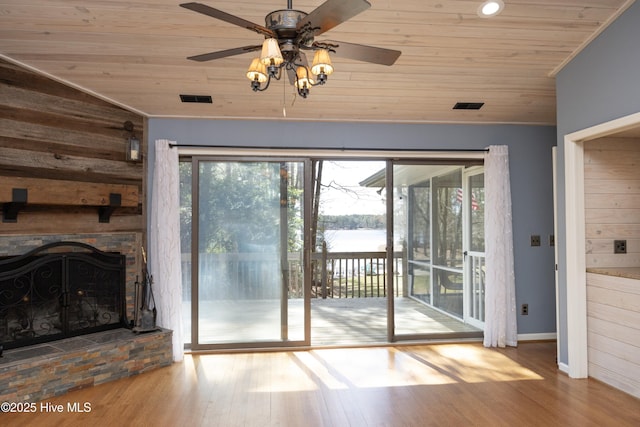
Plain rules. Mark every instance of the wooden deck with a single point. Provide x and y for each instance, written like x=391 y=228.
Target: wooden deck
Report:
x=364 y=321
x=334 y=322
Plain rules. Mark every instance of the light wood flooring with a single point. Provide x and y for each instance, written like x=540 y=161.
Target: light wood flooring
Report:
x=425 y=385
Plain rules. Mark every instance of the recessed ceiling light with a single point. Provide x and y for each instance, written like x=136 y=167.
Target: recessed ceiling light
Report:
x=490 y=8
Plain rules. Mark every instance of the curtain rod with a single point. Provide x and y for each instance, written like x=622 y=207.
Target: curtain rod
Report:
x=426 y=150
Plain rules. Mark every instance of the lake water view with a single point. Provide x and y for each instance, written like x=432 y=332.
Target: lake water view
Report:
x=361 y=240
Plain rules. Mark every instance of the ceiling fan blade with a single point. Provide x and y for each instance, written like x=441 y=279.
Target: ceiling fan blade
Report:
x=303 y=59
x=360 y=52
x=330 y=14
x=291 y=73
x=224 y=53
x=231 y=19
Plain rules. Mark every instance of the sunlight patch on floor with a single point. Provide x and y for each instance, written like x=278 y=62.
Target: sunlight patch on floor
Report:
x=473 y=363
x=370 y=368
x=358 y=368
x=413 y=366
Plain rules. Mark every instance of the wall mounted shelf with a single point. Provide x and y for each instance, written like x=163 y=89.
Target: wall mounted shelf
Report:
x=17 y=193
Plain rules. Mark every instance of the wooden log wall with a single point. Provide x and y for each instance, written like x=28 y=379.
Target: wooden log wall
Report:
x=612 y=201
x=68 y=150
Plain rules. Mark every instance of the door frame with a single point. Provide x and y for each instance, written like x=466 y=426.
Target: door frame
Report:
x=574 y=220
x=465 y=172
x=308 y=155
x=195 y=260
x=467 y=199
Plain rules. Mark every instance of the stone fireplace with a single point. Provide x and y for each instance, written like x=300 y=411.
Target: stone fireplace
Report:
x=69 y=329
x=59 y=290
x=126 y=244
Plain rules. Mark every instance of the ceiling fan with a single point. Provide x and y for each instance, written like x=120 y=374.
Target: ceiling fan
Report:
x=288 y=33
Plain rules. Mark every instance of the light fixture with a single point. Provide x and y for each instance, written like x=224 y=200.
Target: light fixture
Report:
x=133 y=149
x=288 y=36
x=257 y=73
x=273 y=60
x=321 y=66
x=490 y=8
x=271 y=55
x=133 y=144
x=304 y=80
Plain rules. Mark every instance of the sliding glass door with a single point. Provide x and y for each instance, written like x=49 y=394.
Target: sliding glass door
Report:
x=438 y=224
x=247 y=245
x=250 y=269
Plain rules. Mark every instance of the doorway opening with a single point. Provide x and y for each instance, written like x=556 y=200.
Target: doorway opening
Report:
x=573 y=337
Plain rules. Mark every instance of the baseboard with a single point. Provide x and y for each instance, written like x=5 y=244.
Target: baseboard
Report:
x=549 y=336
x=563 y=368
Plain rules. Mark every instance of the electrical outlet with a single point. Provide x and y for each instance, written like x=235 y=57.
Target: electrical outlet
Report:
x=535 y=240
x=524 y=309
x=619 y=246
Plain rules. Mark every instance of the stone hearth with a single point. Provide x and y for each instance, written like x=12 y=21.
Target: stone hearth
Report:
x=34 y=373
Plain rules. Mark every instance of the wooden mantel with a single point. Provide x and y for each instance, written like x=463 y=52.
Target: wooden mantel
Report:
x=18 y=192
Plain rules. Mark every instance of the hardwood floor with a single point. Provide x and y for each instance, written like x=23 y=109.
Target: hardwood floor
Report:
x=422 y=385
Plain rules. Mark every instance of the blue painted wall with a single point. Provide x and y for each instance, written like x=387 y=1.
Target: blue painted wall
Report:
x=530 y=168
x=601 y=84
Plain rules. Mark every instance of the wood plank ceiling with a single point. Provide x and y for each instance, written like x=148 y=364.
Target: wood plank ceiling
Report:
x=134 y=53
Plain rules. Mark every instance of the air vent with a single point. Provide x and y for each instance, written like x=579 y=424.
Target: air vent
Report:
x=200 y=99
x=468 y=105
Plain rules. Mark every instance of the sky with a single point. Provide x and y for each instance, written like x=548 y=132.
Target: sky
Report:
x=355 y=199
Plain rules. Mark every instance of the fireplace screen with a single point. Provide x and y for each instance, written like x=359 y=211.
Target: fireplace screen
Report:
x=60 y=290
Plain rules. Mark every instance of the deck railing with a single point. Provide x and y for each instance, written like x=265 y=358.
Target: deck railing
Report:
x=354 y=274
x=256 y=275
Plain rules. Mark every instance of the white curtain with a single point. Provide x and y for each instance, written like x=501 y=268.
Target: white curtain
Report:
x=500 y=293
x=164 y=243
